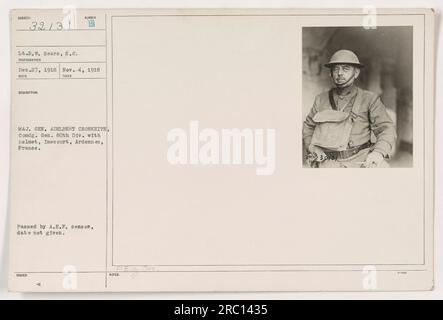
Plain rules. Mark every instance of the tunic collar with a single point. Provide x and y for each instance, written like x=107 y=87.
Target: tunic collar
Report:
x=346 y=92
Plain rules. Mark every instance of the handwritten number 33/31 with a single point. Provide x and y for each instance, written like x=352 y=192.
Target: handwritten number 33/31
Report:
x=39 y=26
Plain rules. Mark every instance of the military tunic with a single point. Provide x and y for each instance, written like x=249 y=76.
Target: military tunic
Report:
x=372 y=117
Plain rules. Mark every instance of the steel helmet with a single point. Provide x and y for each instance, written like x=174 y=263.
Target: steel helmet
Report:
x=344 y=57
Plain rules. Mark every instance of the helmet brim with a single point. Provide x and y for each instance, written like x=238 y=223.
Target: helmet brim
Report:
x=330 y=65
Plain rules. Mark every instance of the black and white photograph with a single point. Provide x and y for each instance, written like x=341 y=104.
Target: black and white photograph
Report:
x=169 y=152
x=357 y=97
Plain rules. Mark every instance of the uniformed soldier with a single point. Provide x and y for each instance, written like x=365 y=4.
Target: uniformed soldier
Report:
x=337 y=130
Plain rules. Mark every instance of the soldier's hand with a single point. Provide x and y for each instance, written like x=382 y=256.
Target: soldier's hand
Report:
x=318 y=153
x=374 y=159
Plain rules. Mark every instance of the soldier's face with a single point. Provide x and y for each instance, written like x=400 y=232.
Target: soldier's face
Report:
x=344 y=75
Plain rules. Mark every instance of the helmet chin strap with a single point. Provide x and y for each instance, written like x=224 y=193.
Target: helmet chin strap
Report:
x=346 y=84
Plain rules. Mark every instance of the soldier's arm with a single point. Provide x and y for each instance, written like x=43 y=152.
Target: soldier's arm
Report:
x=383 y=128
x=309 y=125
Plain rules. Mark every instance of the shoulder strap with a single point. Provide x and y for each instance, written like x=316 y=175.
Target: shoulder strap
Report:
x=357 y=103
x=331 y=100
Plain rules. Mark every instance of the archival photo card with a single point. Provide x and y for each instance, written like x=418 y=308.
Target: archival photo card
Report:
x=175 y=150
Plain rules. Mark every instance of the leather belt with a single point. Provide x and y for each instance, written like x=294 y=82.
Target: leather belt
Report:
x=339 y=155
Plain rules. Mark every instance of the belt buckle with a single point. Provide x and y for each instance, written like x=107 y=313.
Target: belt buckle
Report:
x=332 y=156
